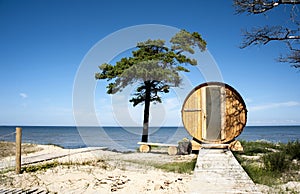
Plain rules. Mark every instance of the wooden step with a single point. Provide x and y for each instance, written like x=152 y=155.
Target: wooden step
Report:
x=217 y=171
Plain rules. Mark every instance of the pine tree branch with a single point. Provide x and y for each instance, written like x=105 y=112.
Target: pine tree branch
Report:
x=260 y=6
x=266 y=34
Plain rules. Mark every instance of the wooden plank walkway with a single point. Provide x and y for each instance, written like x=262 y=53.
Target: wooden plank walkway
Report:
x=22 y=191
x=48 y=156
x=217 y=171
x=40 y=158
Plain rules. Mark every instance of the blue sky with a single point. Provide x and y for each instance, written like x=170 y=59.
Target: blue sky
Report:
x=43 y=44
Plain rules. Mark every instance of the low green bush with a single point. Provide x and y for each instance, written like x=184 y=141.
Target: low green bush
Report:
x=257 y=147
x=293 y=149
x=260 y=175
x=275 y=166
x=275 y=162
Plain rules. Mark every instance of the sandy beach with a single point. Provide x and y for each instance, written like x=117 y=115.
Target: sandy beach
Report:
x=100 y=171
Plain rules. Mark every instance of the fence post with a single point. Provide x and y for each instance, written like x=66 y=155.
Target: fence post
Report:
x=18 y=149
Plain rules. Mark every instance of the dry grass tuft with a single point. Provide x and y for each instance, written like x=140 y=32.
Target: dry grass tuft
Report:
x=9 y=149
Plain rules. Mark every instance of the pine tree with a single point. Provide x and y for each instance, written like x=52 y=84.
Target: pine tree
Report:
x=155 y=67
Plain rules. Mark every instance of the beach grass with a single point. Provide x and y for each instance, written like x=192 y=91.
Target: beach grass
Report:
x=9 y=148
x=52 y=164
x=178 y=167
x=269 y=163
x=252 y=148
x=40 y=167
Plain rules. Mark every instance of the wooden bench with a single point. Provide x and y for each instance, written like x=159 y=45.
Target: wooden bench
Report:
x=146 y=147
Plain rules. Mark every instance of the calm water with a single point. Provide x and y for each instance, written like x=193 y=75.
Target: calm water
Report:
x=126 y=138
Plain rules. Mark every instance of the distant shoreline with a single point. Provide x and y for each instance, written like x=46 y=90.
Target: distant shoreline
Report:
x=279 y=125
x=126 y=138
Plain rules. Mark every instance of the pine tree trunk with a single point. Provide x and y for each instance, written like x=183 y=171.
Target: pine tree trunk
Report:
x=146 y=111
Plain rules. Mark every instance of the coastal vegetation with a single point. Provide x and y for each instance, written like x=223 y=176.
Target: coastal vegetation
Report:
x=9 y=148
x=271 y=163
x=39 y=167
x=178 y=167
x=52 y=164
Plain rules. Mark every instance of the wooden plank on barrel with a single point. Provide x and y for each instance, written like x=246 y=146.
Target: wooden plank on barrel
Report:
x=216 y=145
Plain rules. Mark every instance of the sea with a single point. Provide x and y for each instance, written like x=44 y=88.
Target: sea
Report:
x=126 y=138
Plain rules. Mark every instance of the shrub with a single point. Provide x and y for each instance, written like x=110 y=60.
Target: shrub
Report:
x=276 y=161
x=260 y=175
x=293 y=149
x=254 y=148
x=275 y=165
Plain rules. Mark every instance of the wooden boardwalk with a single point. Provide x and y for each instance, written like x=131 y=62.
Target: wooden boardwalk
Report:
x=22 y=191
x=217 y=171
x=47 y=156
x=39 y=158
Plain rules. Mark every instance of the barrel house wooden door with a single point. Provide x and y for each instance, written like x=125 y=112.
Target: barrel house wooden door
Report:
x=213 y=113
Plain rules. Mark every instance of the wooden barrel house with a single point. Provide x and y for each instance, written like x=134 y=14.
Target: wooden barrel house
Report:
x=214 y=113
